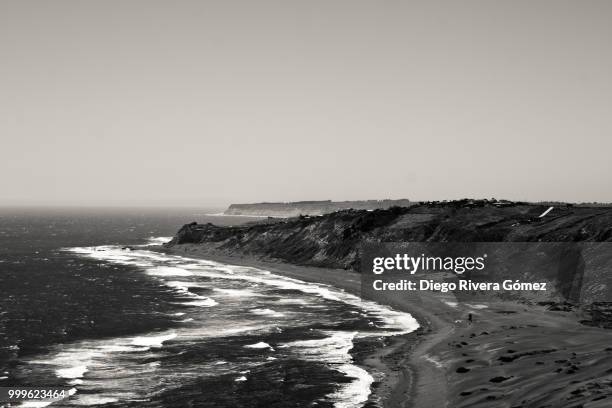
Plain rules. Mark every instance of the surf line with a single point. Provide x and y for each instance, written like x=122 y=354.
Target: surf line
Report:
x=351 y=394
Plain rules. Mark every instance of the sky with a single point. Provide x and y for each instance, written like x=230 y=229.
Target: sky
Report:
x=208 y=103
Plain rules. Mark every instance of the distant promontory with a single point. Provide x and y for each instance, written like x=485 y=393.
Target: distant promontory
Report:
x=293 y=209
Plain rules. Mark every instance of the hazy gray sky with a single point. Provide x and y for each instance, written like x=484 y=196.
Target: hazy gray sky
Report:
x=194 y=102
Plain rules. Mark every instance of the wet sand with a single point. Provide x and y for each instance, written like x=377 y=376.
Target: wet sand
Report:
x=511 y=355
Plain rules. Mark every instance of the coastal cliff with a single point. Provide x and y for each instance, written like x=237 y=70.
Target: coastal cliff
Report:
x=332 y=240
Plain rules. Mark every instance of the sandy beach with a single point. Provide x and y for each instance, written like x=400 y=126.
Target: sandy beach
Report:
x=511 y=355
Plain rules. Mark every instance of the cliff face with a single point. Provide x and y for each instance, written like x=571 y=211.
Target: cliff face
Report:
x=295 y=209
x=332 y=240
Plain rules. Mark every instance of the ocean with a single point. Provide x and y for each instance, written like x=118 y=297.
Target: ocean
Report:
x=88 y=303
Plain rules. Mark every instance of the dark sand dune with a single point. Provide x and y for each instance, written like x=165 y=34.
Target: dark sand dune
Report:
x=519 y=356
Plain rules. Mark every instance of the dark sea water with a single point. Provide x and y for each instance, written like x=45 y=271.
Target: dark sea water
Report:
x=87 y=303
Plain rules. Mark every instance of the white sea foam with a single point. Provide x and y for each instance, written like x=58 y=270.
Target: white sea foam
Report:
x=183 y=288
x=153 y=341
x=73 y=362
x=36 y=404
x=180 y=285
x=260 y=345
x=72 y=372
x=266 y=312
x=293 y=302
x=333 y=349
x=243 y=329
x=236 y=292
x=158 y=240
x=85 y=399
x=402 y=322
x=204 y=302
x=168 y=271
x=336 y=347
x=355 y=393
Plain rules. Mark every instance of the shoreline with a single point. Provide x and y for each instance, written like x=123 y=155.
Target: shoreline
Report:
x=409 y=375
x=512 y=353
